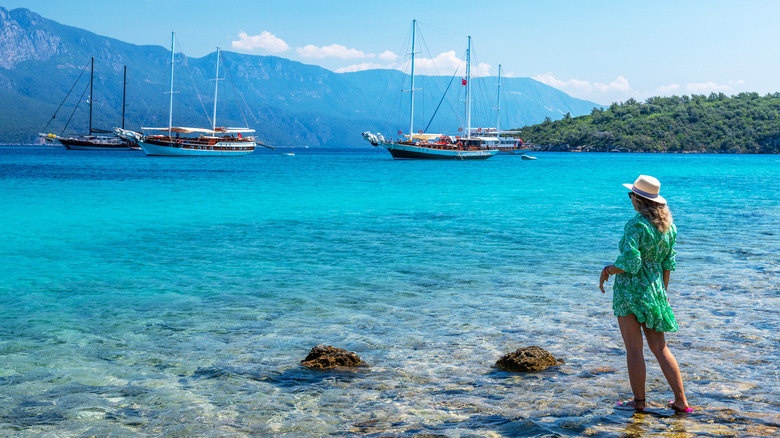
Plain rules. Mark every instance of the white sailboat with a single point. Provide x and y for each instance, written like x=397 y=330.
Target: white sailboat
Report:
x=508 y=142
x=217 y=141
x=422 y=145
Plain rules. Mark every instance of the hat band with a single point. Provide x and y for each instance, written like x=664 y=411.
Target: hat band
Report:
x=643 y=193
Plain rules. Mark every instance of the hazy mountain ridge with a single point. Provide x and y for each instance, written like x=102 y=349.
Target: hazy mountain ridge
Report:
x=25 y=36
x=292 y=104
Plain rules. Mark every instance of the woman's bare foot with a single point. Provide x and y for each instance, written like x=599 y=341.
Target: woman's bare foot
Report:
x=680 y=407
x=637 y=405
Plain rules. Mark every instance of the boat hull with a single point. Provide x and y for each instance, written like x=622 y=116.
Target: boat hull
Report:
x=88 y=145
x=409 y=152
x=220 y=149
x=512 y=151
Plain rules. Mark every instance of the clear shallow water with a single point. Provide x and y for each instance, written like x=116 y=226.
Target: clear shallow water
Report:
x=154 y=296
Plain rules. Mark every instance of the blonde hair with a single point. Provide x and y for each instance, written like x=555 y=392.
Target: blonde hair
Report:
x=658 y=214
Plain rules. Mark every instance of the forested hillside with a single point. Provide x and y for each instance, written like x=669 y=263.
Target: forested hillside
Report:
x=744 y=123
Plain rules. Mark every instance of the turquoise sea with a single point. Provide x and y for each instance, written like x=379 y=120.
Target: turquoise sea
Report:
x=152 y=296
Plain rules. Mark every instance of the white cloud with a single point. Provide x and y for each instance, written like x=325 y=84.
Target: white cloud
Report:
x=706 y=87
x=699 y=88
x=572 y=85
x=360 y=67
x=482 y=70
x=387 y=56
x=618 y=89
x=445 y=63
x=266 y=41
x=666 y=90
x=619 y=85
x=331 y=51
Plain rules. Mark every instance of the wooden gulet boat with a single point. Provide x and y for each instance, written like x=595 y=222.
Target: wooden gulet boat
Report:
x=231 y=142
x=436 y=146
x=217 y=141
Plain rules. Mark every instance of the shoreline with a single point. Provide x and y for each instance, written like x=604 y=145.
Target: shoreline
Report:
x=585 y=149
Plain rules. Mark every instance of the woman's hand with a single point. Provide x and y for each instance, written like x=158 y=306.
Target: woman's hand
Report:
x=606 y=272
x=604 y=277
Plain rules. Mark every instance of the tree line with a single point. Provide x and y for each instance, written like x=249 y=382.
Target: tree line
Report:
x=743 y=123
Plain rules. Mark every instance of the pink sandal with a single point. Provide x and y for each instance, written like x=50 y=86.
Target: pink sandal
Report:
x=671 y=405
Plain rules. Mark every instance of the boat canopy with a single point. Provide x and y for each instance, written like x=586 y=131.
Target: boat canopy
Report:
x=485 y=139
x=424 y=136
x=183 y=130
x=493 y=131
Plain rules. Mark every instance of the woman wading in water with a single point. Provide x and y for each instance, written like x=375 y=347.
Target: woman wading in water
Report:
x=639 y=300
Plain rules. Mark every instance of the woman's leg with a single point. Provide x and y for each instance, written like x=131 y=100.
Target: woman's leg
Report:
x=635 y=359
x=657 y=343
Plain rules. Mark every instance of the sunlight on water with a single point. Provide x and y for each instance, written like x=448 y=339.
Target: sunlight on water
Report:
x=165 y=296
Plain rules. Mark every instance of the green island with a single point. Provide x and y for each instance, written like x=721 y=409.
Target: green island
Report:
x=743 y=123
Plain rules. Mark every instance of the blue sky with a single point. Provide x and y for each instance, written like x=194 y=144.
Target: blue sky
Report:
x=604 y=51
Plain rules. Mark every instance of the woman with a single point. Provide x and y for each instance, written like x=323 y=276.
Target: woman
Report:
x=639 y=300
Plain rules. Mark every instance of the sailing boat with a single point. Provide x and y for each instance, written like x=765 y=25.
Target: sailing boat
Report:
x=508 y=141
x=91 y=142
x=437 y=146
x=217 y=141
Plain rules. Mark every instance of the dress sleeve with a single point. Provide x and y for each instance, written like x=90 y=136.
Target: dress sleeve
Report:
x=670 y=262
x=630 y=259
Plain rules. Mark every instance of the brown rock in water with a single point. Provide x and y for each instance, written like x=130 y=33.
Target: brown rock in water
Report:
x=528 y=359
x=327 y=357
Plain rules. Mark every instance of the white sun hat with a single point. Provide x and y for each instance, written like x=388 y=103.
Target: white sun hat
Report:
x=648 y=188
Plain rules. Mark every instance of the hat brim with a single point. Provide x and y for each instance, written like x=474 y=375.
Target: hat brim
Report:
x=658 y=199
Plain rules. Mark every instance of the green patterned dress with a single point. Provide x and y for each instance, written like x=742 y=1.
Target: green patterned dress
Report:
x=644 y=254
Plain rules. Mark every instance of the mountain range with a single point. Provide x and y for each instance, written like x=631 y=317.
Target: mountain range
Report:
x=289 y=103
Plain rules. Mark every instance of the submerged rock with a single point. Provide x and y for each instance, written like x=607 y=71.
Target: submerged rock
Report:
x=327 y=357
x=528 y=359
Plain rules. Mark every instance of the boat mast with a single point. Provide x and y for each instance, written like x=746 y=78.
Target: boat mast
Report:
x=170 y=111
x=498 y=104
x=91 y=78
x=124 y=90
x=411 y=111
x=412 y=89
x=468 y=90
x=216 y=83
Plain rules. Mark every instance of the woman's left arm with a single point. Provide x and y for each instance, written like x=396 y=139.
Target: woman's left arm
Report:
x=605 y=273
